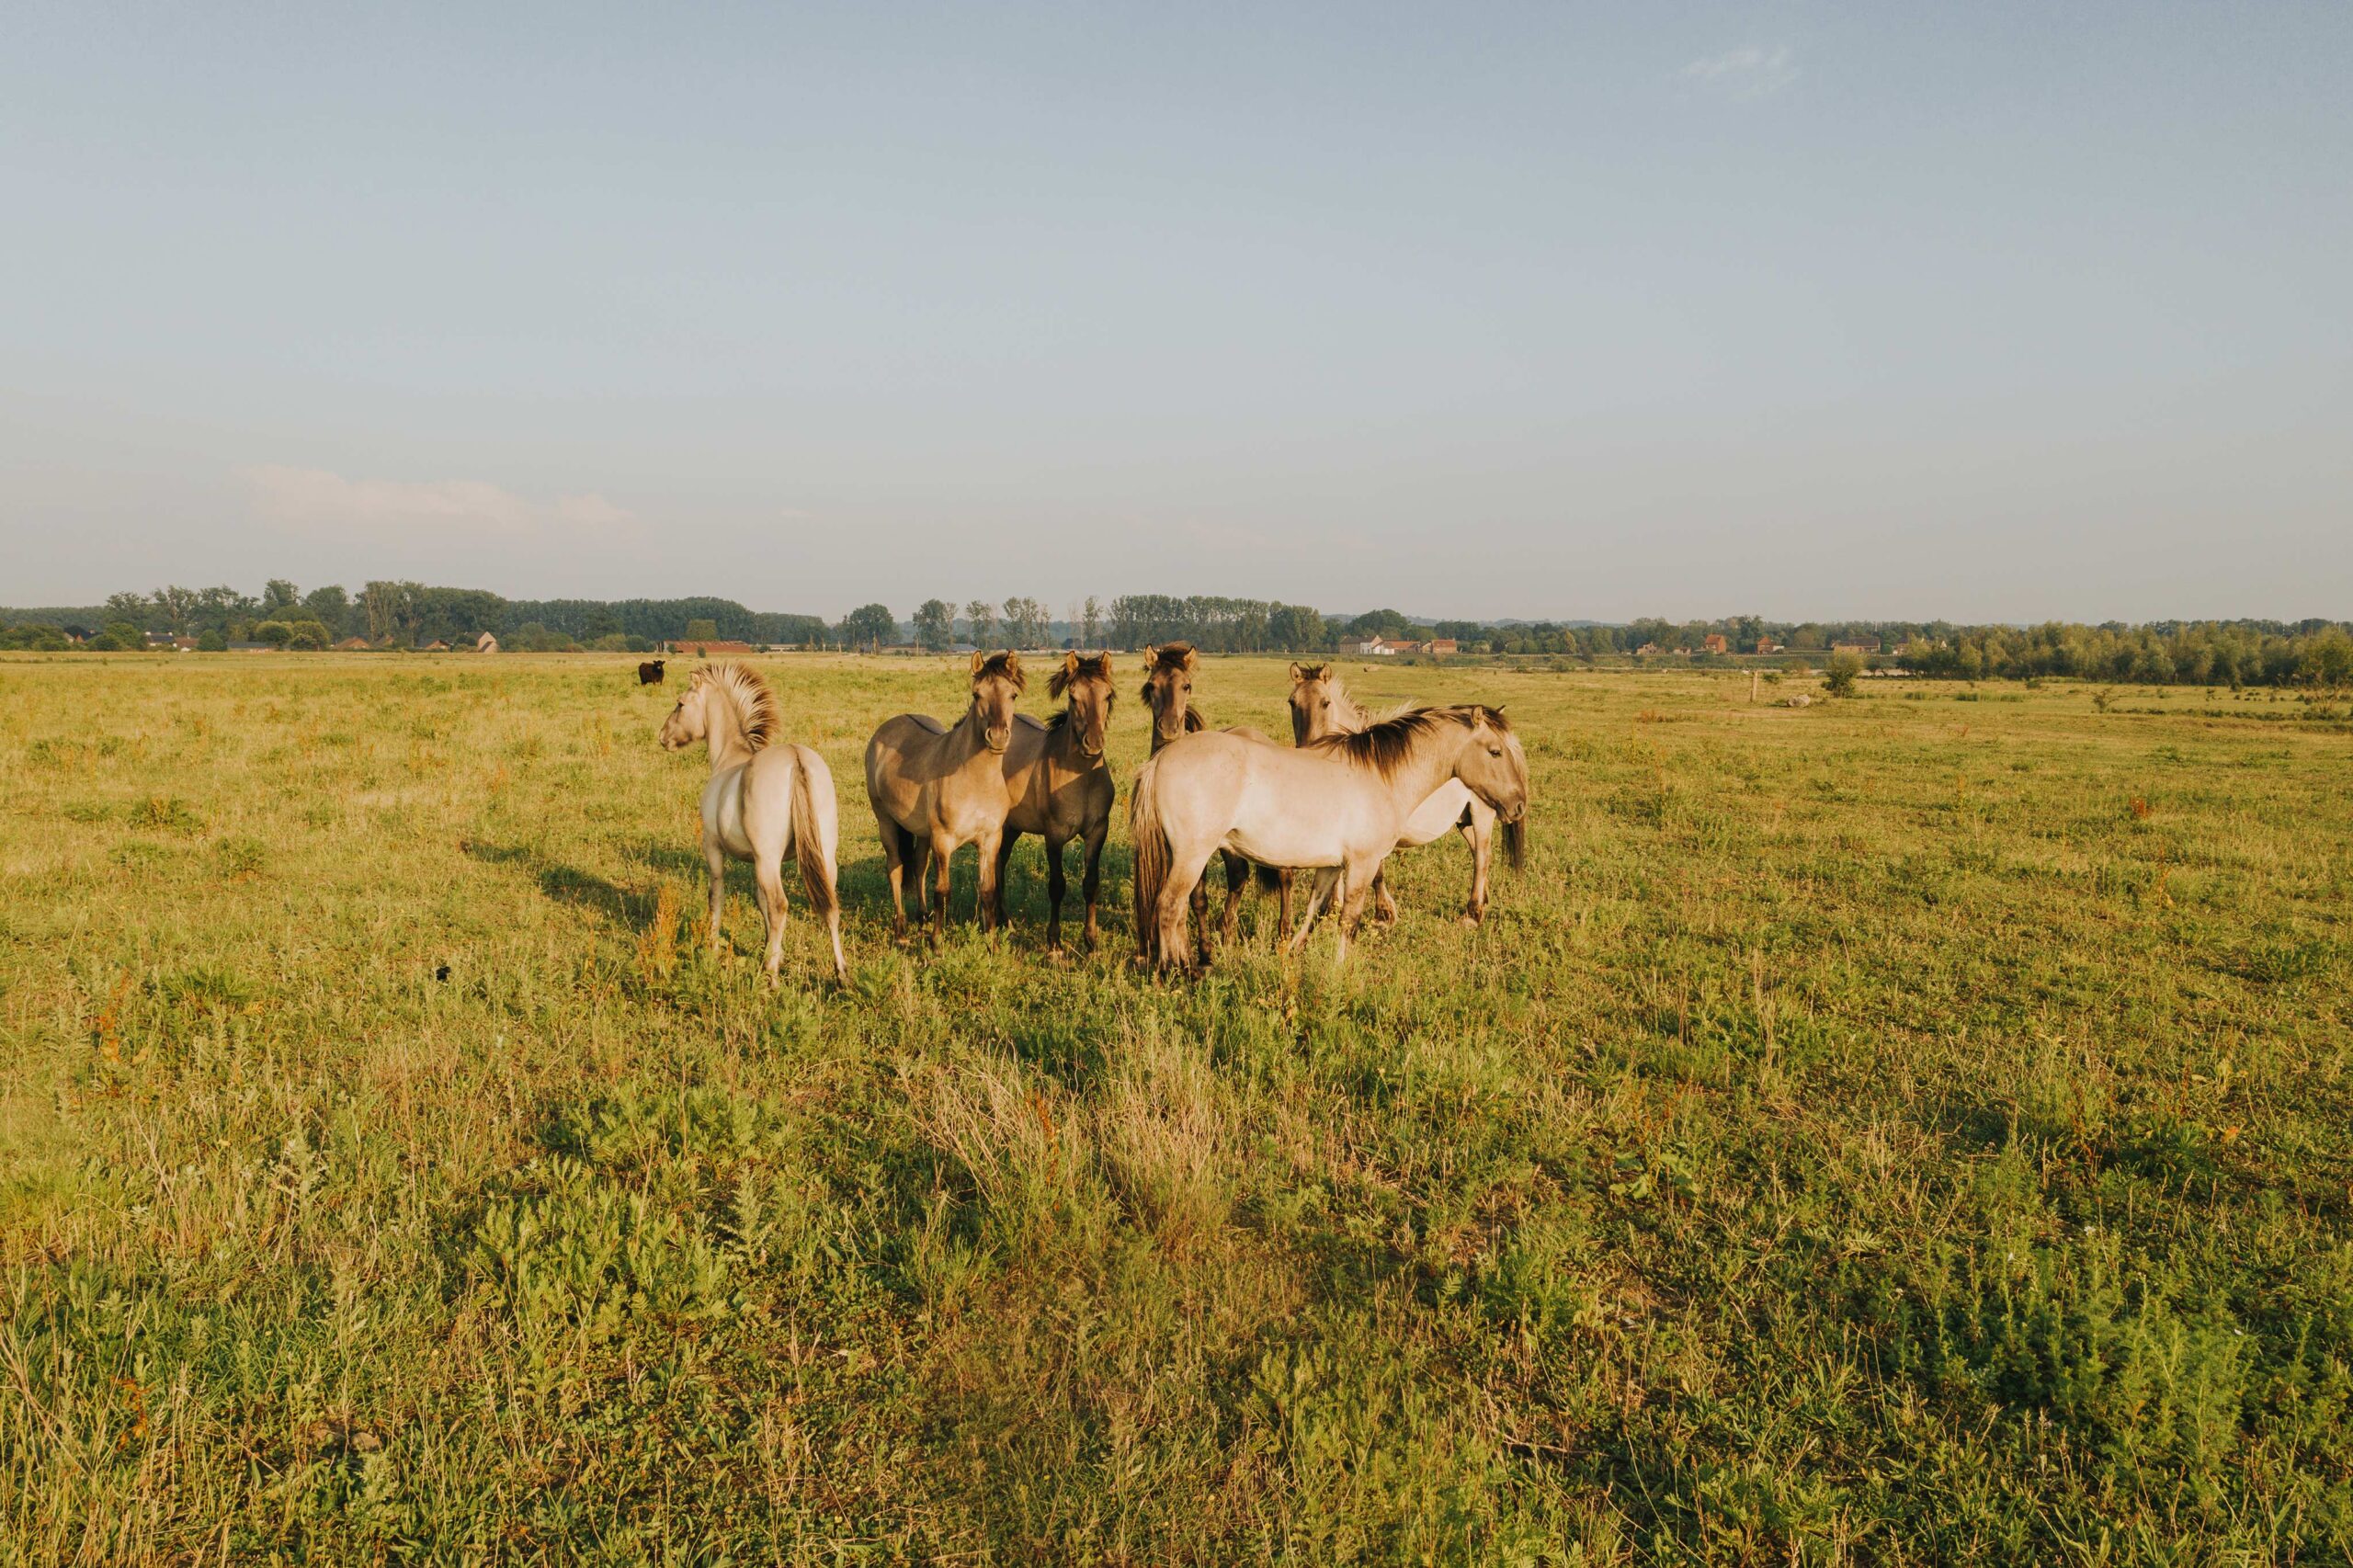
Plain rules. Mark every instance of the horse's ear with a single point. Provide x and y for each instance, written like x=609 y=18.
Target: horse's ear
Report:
x=1013 y=668
x=1070 y=663
x=1192 y=657
x=1296 y=674
x=979 y=658
x=1150 y=658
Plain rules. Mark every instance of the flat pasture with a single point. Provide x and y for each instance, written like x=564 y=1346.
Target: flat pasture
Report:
x=1908 y=1129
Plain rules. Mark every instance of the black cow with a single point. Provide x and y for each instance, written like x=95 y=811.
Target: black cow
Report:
x=649 y=673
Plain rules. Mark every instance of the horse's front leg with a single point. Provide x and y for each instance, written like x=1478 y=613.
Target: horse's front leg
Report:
x=1003 y=859
x=1056 y=884
x=1282 y=920
x=1096 y=836
x=987 y=905
x=1327 y=879
x=1238 y=872
x=943 y=851
x=1384 y=906
x=1481 y=837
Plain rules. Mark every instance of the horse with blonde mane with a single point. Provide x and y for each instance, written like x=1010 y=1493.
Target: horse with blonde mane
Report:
x=1321 y=706
x=935 y=787
x=1062 y=785
x=1337 y=807
x=1168 y=692
x=764 y=798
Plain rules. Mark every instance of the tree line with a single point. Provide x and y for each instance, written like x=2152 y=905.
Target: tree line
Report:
x=408 y=614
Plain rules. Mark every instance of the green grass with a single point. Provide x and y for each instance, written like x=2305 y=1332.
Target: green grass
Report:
x=1864 y=1133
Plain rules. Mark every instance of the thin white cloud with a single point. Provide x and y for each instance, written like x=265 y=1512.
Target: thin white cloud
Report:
x=317 y=498
x=1750 y=71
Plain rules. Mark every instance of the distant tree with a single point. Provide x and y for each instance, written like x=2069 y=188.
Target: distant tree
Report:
x=703 y=631
x=1295 y=629
x=936 y=624
x=133 y=608
x=1026 y=623
x=1090 y=622
x=173 y=605
x=980 y=618
x=279 y=596
x=1838 y=676
x=277 y=633
x=214 y=641
x=869 y=625
x=310 y=634
x=329 y=607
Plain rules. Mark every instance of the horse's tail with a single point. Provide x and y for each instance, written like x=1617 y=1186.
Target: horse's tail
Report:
x=1516 y=843
x=1269 y=877
x=816 y=825
x=1152 y=858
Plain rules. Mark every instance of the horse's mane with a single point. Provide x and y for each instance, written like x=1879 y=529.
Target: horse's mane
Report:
x=755 y=708
x=1384 y=745
x=1096 y=667
x=1172 y=656
x=1006 y=665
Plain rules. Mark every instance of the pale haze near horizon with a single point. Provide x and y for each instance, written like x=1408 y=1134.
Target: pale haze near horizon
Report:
x=1801 y=310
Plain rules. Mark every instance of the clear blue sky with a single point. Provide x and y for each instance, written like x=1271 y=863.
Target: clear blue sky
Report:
x=1989 y=311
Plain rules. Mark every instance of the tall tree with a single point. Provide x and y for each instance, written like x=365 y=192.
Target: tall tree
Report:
x=869 y=625
x=982 y=617
x=1090 y=623
x=278 y=597
x=936 y=624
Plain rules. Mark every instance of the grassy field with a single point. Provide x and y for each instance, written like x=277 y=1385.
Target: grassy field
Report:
x=1912 y=1128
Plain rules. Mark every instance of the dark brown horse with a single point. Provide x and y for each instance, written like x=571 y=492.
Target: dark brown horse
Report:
x=649 y=673
x=1168 y=692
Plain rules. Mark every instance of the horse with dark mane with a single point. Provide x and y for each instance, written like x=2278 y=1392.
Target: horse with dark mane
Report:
x=1337 y=807
x=1321 y=706
x=935 y=787
x=1062 y=784
x=1168 y=691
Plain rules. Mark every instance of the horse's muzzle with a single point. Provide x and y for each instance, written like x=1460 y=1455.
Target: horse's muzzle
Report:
x=998 y=739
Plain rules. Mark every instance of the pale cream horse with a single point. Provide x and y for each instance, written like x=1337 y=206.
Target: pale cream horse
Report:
x=1062 y=785
x=763 y=799
x=1168 y=670
x=935 y=787
x=1320 y=706
x=1337 y=807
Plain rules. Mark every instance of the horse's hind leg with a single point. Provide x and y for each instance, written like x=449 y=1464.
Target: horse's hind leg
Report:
x=1176 y=905
x=769 y=874
x=1003 y=859
x=895 y=842
x=1384 y=906
x=1361 y=880
x=716 y=859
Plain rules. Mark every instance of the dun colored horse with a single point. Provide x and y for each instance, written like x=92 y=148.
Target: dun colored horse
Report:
x=1062 y=785
x=1168 y=691
x=763 y=799
x=935 y=787
x=1338 y=806
x=1320 y=706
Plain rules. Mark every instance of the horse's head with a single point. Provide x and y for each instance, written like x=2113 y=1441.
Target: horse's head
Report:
x=1312 y=688
x=689 y=722
x=1086 y=681
x=1168 y=688
x=998 y=684
x=1495 y=770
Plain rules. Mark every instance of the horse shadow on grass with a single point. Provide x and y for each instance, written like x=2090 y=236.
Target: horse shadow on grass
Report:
x=628 y=907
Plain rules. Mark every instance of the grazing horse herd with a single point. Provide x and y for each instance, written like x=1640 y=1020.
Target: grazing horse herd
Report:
x=1349 y=790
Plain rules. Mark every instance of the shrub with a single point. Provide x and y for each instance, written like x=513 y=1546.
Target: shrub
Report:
x=1838 y=678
